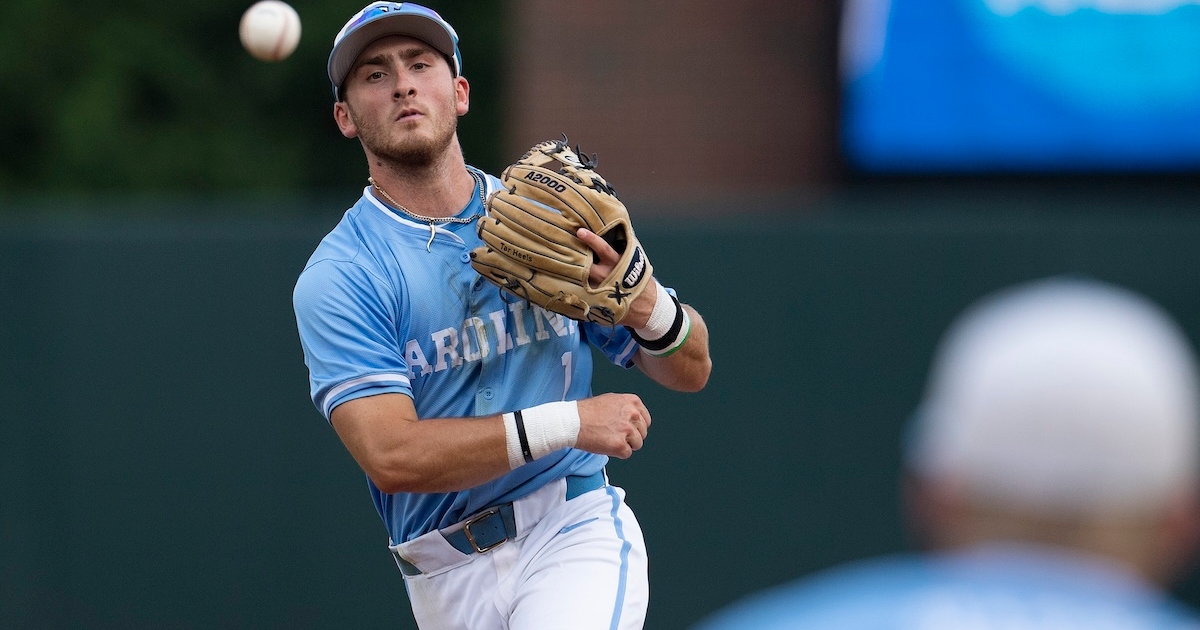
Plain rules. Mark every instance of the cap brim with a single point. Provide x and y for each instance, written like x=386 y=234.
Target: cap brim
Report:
x=346 y=52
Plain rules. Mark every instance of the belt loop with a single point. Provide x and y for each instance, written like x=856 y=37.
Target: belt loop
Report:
x=578 y=485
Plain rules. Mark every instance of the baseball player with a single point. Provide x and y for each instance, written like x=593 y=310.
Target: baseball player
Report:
x=470 y=410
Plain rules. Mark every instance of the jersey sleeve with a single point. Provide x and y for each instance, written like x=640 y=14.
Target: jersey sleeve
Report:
x=347 y=320
x=615 y=342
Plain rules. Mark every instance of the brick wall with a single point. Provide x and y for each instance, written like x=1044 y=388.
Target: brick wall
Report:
x=683 y=101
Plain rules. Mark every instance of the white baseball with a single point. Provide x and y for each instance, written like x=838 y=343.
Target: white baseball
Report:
x=270 y=30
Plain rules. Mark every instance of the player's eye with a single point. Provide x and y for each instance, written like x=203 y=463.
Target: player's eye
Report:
x=375 y=76
x=420 y=65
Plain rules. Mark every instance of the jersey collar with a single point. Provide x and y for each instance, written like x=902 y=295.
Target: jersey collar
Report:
x=490 y=185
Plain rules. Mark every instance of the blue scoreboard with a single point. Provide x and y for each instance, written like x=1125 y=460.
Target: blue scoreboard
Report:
x=1030 y=86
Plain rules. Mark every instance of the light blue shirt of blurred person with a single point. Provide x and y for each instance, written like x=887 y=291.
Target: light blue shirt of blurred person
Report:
x=1052 y=476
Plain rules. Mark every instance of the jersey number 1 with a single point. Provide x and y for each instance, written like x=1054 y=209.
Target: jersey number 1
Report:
x=566 y=363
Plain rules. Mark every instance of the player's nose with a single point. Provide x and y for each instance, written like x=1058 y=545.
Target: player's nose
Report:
x=404 y=86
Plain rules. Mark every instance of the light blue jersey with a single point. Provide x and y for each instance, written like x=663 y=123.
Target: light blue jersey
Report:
x=382 y=308
x=993 y=588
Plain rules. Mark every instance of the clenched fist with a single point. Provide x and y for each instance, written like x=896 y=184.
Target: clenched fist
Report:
x=612 y=424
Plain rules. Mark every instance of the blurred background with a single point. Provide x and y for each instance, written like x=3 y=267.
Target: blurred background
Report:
x=828 y=182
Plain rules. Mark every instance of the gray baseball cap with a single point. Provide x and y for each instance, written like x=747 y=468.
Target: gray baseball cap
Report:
x=381 y=19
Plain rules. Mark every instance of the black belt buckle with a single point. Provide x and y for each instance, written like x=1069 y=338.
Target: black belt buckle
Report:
x=488 y=513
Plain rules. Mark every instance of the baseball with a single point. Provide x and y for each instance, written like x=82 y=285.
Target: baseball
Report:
x=270 y=30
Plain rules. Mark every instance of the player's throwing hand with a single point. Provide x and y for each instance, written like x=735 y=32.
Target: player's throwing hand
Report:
x=612 y=424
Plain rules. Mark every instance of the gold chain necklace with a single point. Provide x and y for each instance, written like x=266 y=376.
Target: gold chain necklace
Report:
x=433 y=221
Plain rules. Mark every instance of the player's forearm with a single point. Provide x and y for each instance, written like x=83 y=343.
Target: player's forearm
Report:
x=403 y=454
x=441 y=455
x=688 y=368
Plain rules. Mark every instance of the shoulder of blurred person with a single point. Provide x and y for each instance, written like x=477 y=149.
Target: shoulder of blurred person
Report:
x=1005 y=586
x=1051 y=478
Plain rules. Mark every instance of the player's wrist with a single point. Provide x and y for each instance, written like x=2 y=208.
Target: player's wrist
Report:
x=667 y=328
x=535 y=432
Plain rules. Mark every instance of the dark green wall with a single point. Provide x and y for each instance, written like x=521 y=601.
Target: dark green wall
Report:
x=161 y=465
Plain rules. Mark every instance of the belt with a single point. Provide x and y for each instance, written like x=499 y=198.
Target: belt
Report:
x=489 y=528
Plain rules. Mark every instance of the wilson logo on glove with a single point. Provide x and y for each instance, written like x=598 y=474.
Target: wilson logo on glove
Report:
x=634 y=275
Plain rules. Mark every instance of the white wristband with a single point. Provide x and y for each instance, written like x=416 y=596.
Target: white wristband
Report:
x=661 y=339
x=538 y=431
x=661 y=317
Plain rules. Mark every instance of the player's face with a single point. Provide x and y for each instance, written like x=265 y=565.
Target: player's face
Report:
x=402 y=102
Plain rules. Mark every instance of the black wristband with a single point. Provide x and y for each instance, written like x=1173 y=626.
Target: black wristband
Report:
x=522 y=437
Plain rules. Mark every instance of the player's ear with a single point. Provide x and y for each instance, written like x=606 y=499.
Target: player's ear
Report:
x=933 y=511
x=462 y=95
x=345 y=122
x=1178 y=537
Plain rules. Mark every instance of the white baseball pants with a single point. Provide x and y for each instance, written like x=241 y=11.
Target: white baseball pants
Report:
x=574 y=565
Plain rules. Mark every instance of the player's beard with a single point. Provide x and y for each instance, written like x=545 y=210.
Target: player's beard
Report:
x=410 y=150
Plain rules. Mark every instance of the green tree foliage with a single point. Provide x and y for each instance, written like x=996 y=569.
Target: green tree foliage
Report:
x=129 y=96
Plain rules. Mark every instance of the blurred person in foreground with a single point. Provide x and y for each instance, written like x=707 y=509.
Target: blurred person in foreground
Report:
x=1051 y=475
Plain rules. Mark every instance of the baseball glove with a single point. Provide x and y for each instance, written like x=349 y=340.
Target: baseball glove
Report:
x=531 y=249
